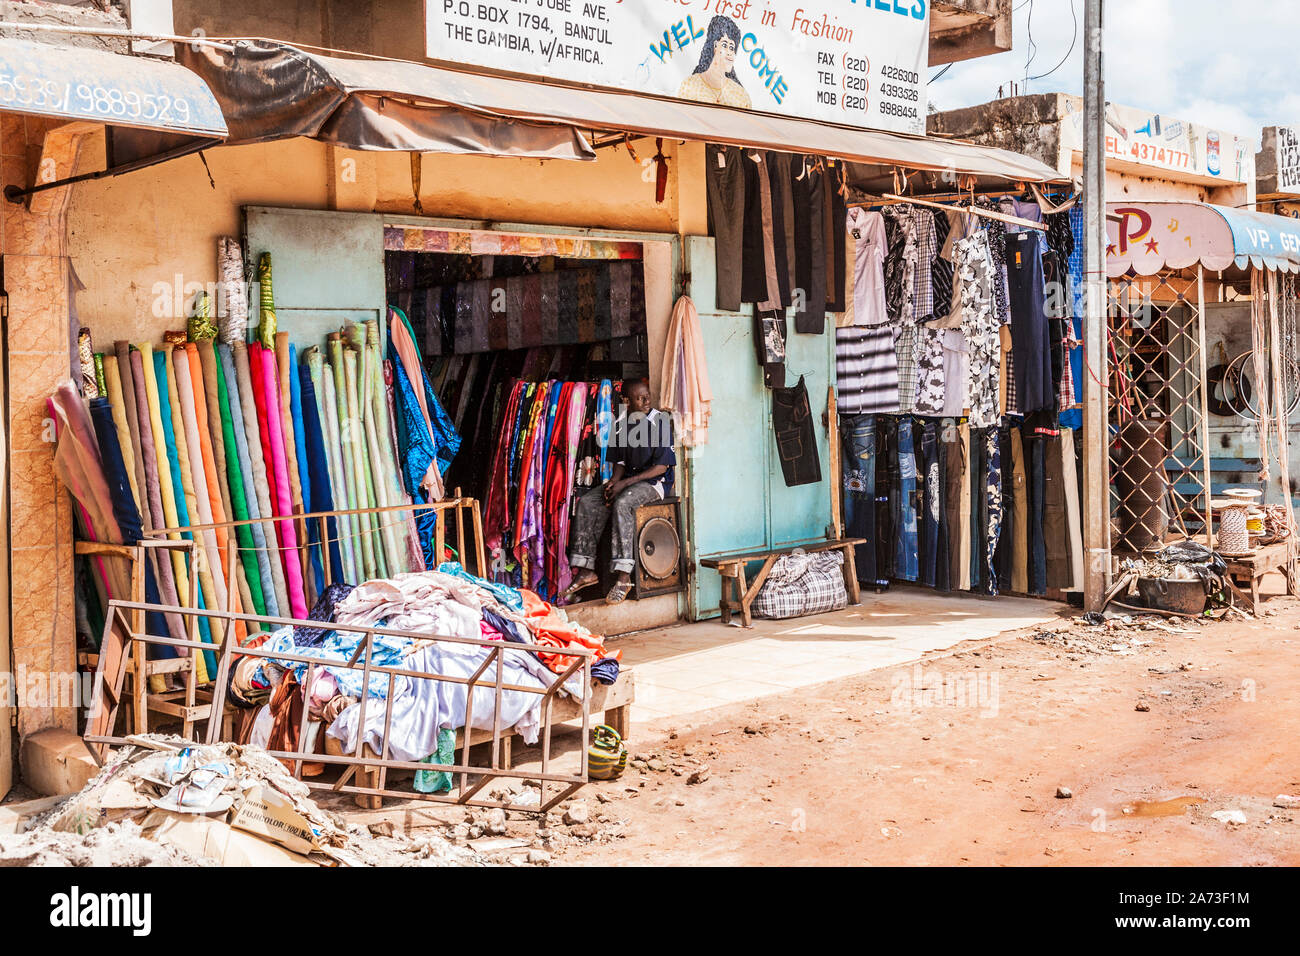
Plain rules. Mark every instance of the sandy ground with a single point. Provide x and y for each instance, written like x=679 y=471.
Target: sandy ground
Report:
x=892 y=767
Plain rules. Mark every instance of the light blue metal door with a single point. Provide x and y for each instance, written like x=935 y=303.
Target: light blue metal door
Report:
x=327 y=268
x=738 y=498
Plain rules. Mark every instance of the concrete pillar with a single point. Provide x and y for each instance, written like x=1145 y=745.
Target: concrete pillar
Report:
x=37 y=341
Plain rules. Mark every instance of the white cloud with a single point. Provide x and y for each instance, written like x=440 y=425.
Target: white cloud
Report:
x=1225 y=65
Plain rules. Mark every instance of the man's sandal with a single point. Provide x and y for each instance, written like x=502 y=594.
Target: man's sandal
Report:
x=618 y=593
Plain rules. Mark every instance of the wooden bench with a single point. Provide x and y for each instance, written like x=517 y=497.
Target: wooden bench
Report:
x=732 y=569
x=1251 y=569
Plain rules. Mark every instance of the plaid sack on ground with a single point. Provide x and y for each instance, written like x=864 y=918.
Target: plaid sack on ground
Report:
x=802 y=583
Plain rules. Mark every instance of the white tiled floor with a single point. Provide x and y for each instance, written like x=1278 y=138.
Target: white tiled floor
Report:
x=695 y=667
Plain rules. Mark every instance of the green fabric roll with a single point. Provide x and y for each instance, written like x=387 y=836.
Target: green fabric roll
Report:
x=371 y=549
x=238 y=498
x=346 y=430
x=329 y=435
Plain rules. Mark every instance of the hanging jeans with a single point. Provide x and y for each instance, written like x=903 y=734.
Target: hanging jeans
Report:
x=888 y=500
x=858 y=434
x=931 y=503
x=796 y=443
x=906 y=556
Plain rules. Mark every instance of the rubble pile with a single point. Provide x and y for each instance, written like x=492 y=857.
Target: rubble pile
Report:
x=166 y=801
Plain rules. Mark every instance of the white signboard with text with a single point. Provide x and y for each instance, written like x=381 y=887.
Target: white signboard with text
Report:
x=856 y=62
x=1288 y=159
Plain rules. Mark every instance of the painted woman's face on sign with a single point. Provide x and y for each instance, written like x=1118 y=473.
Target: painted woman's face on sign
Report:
x=724 y=57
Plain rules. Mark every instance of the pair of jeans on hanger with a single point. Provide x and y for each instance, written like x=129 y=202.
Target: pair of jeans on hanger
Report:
x=858 y=437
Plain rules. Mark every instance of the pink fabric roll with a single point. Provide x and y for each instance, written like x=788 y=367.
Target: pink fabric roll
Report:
x=283 y=499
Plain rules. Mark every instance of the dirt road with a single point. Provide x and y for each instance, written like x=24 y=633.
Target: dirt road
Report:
x=958 y=761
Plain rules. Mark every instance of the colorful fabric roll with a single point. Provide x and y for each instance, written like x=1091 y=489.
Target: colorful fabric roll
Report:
x=232 y=323
x=266 y=326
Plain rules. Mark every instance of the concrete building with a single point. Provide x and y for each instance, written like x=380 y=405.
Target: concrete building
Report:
x=97 y=253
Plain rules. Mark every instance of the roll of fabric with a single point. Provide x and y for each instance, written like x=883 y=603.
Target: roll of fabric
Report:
x=127 y=513
x=344 y=433
x=194 y=408
x=117 y=410
x=317 y=465
x=232 y=321
x=258 y=563
x=313 y=572
x=151 y=365
x=86 y=358
x=288 y=534
x=339 y=477
x=99 y=374
x=410 y=532
x=201 y=327
x=371 y=551
x=268 y=558
x=284 y=388
x=189 y=454
x=179 y=517
x=127 y=373
x=259 y=450
x=266 y=326
x=152 y=512
x=382 y=462
x=217 y=420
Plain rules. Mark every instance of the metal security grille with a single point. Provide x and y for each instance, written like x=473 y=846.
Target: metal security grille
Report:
x=1160 y=466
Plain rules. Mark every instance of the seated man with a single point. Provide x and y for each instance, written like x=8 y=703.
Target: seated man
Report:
x=641 y=450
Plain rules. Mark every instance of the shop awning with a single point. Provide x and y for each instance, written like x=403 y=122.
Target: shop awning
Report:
x=273 y=90
x=1150 y=237
x=152 y=109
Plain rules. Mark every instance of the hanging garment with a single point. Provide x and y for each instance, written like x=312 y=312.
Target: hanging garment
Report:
x=1032 y=351
x=907 y=553
x=1055 y=521
x=941 y=270
x=888 y=497
x=927 y=251
x=684 y=387
x=808 y=250
x=993 y=507
x=866 y=370
x=766 y=276
x=796 y=442
x=867 y=232
x=930 y=481
x=980 y=328
x=725 y=178
x=1073 y=516
x=900 y=264
x=769 y=344
x=956 y=372
x=858 y=438
x=1020 y=520
x=959 y=488
x=931 y=395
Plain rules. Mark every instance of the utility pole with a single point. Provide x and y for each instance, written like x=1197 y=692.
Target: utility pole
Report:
x=1096 y=444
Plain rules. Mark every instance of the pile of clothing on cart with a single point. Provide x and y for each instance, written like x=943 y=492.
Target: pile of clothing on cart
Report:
x=425 y=713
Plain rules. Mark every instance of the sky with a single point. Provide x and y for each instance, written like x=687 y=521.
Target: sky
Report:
x=1231 y=66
